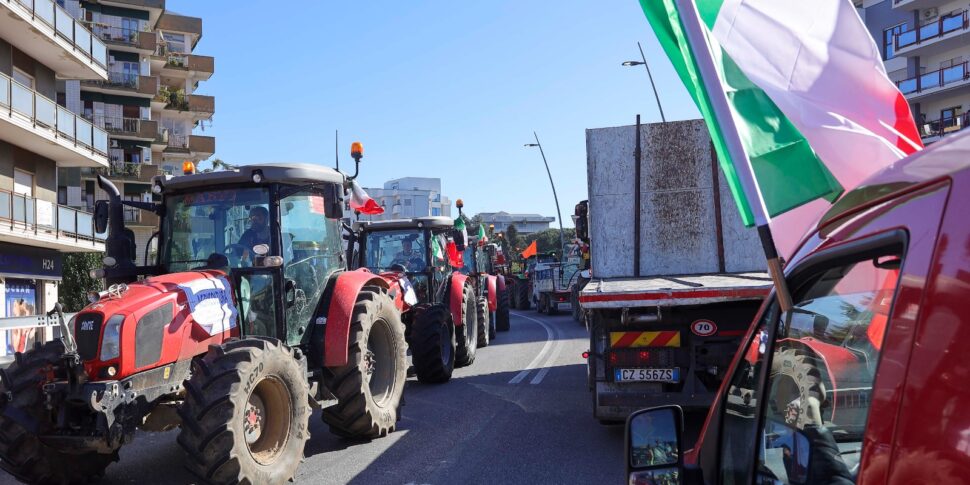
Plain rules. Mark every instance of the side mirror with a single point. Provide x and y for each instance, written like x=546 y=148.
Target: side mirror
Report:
x=100 y=216
x=653 y=445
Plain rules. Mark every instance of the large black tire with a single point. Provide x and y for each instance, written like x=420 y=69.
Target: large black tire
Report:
x=22 y=454
x=468 y=331
x=522 y=295
x=433 y=345
x=246 y=412
x=797 y=390
x=552 y=307
x=484 y=322
x=502 y=319
x=370 y=386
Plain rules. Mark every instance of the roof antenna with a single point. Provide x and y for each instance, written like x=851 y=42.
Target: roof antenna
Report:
x=336 y=147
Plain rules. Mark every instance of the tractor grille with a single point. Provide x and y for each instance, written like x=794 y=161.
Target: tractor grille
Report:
x=149 y=333
x=87 y=332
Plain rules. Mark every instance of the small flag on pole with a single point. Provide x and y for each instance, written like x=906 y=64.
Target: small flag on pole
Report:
x=361 y=202
x=530 y=251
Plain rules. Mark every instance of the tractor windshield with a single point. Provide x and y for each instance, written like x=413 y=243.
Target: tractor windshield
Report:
x=390 y=250
x=214 y=224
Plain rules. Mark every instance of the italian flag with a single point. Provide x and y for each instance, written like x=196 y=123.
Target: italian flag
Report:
x=806 y=89
x=361 y=202
x=482 y=238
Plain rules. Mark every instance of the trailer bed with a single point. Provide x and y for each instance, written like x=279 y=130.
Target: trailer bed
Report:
x=655 y=291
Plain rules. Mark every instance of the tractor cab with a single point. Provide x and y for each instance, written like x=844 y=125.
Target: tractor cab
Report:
x=414 y=247
x=274 y=229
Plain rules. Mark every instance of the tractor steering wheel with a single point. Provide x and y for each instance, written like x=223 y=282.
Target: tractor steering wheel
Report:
x=235 y=253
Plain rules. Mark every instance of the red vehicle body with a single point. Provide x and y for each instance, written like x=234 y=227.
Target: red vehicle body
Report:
x=910 y=223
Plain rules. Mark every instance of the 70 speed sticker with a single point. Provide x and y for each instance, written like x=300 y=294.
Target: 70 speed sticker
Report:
x=703 y=328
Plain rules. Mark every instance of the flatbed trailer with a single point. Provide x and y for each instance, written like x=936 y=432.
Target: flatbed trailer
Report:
x=665 y=339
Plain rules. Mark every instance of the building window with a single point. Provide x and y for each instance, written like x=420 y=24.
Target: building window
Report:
x=23 y=78
x=888 y=40
x=407 y=202
x=23 y=183
x=174 y=42
x=435 y=211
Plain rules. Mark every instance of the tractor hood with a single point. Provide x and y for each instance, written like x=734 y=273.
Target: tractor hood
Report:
x=129 y=326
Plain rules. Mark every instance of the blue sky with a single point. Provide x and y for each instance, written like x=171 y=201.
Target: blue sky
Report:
x=433 y=88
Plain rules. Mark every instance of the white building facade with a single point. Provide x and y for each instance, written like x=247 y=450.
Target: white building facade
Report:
x=524 y=223
x=407 y=197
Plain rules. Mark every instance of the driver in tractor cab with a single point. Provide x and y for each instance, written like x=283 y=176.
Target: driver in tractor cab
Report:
x=408 y=257
x=258 y=232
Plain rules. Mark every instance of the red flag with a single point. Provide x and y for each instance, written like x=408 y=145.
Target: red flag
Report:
x=361 y=202
x=529 y=251
x=455 y=257
x=316 y=205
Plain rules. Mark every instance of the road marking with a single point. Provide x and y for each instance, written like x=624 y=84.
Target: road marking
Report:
x=550 y=340
x=552 y=358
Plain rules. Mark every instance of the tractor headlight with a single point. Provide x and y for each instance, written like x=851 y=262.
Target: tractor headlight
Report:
x=111 y=342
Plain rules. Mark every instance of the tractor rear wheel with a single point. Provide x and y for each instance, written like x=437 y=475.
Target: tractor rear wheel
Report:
x=370 y=386
x=502 y=323
x=246 y=412
x=797 y=390
x=22 y=454
x=484 y=323
x=468 y=338
x=433 y=345
x=522 y=295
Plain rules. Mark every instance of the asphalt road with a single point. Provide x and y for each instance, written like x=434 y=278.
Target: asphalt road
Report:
x=520 y=414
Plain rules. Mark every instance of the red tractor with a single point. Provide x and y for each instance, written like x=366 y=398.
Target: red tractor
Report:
x=496 y=266
x=246 y=319
x=442 y=326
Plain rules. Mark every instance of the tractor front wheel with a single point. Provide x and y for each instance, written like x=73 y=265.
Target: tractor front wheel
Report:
x=522 y=295
x=502 y=323
x=370 y=386
x=484 y=323
x=433 y=345
x=245 y=414
x=468 y=341
x=22 y=454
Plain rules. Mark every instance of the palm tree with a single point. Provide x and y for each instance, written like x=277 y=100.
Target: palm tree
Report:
x=218 y=164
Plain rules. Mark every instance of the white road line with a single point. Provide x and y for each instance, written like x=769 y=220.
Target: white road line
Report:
x=552 y=358
x=550 y=340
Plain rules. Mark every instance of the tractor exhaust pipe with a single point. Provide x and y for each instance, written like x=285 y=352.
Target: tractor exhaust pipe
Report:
x=120 y=244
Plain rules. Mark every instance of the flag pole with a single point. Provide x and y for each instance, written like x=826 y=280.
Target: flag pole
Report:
x=707 y=72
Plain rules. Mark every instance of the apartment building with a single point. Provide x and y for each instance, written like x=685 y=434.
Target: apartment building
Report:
x=42 y=49
x=524 y=223
x=148 y=105
x=408 y=197
x=925 y=46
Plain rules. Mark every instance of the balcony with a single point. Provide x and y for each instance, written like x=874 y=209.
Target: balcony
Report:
x=127 y=128
x=944 y=34
x=935 y=82
x=126 y=39
x=933 y=130
x=182 y=65
x=26 y=220
x=914 y=4
x=34 y=26
x=202 y=107
x=179 y=23
x=196 y=145
x=30 y=120
x=125 y=84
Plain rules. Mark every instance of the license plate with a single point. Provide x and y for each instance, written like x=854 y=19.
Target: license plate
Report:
x=647 y=375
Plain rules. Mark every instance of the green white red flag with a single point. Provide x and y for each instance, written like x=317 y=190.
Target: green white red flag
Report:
x=807 y=92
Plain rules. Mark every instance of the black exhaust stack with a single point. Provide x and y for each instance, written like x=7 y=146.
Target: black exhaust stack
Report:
x=120 y=244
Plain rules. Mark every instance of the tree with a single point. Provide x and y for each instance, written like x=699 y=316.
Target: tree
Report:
x=218 y=165
x=548 y=240
x=73 y=292
x=513 y=241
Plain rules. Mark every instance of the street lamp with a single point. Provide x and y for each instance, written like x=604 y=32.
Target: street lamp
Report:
x=644 y=63
x=562 y=240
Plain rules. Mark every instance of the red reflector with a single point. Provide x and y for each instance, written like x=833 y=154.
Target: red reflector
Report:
x=585 y=355
x=644 y=356
x=613 y=358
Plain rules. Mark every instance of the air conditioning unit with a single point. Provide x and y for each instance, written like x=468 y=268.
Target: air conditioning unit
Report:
x=113 y=143
x=929 y=14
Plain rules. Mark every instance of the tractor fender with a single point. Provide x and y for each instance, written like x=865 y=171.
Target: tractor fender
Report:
x=492 y=285
x=454 y=297
x=345 y=292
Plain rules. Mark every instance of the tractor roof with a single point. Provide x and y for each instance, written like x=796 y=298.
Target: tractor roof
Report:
x=433 y=222
x=289 y=173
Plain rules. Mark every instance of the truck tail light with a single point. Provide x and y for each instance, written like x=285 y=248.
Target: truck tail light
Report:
x=633 y=357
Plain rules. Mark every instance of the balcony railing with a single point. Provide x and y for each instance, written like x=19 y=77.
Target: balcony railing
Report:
x=178 y=141
x=18 y=211
x=127 y=81
x=943 y=126
x=66 y=27
x=942 y=26
x=119 y=35
x=935 y=79
x=46 y=114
